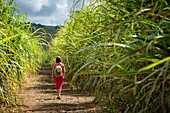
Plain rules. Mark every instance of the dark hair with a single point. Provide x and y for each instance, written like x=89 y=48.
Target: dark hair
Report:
x=58 y=59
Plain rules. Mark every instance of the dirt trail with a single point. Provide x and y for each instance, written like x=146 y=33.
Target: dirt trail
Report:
x=39 y=96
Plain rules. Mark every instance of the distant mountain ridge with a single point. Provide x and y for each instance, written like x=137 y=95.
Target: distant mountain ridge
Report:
x=51 y=30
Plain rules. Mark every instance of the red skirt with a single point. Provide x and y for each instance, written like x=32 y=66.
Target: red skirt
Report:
x=59 y=82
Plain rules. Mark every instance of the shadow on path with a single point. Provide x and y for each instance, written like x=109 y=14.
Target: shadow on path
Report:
x=40 y=97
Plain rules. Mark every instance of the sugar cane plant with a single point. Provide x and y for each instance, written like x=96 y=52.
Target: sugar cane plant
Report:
x=119 y=50
x=20 y=51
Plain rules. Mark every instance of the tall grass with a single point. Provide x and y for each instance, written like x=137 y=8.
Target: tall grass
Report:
x=20 y=51
x=119 y=51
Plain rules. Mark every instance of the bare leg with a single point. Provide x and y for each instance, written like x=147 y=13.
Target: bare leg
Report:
x=58 y=93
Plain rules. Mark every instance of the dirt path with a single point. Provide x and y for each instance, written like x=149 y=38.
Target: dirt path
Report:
x=39 y=96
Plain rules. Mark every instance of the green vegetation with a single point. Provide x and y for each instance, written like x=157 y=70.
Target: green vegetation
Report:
x=120 y=51
x=20 y=52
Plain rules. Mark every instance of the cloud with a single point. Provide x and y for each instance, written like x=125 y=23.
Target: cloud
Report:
x=33 y=5
x=62 y=4
x=47 y=12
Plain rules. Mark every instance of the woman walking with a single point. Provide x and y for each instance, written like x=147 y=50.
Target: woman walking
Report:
x=58 y=72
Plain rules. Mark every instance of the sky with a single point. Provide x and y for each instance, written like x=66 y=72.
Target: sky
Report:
x=46 y=12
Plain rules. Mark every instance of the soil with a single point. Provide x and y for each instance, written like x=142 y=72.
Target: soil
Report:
x=39 y=96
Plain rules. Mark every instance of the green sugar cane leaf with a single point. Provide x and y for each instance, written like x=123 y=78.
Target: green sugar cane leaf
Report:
x=125 y=58
x=9 y=38
x=85 y=39
x=76 y=74
x=127 y=73
x=148 y=59
x=89 y=73
x=86 y=48
x=118 y=45
x=155 y=64
x=120 y=67
x=141 y=11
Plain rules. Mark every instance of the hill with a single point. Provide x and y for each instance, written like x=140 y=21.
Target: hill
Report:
x=49 y=32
